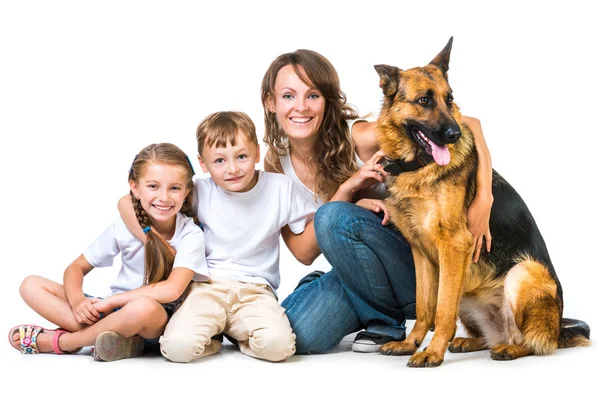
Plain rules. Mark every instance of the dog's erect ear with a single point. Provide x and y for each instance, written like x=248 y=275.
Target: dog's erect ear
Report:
x=442 y=60
x=388 y=79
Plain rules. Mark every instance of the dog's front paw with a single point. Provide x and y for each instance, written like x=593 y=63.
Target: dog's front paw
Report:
x=425 y=359
x=398 y=348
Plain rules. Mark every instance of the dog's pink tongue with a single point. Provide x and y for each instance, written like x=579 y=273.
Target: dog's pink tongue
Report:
x=441 y=155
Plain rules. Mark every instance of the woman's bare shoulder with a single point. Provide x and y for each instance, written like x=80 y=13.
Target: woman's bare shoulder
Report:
x=365 y=140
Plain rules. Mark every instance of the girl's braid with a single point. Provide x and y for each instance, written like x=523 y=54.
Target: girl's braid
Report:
x=140 y=213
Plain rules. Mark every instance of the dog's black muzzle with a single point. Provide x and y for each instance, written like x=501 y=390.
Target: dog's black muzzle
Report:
x=446 y=133
x=450 y=134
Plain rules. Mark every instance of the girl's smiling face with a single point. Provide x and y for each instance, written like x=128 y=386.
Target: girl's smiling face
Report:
x=299 y=108
x=161 y=190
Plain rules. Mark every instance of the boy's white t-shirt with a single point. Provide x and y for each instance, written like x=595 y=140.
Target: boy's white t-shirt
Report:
x=242 y=229
x=188 y=241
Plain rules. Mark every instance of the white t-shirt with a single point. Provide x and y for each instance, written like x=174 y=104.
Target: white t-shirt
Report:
x=188 y=241
x=242 y=229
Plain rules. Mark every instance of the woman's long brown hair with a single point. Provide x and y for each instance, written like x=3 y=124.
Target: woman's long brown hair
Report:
x=334 y=154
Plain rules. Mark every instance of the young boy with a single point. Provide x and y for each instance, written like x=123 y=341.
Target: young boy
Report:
x=242 y=211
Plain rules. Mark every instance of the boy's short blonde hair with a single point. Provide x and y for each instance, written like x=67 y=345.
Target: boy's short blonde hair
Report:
x=222 y=127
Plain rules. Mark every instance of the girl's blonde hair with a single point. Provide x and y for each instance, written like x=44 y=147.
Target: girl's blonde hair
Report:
x=158 y=255
x=334 y=155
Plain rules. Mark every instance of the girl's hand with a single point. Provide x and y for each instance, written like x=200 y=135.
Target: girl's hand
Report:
x=105 y=306
x=375 y=206
x=478 y=223
x=85 y=312
x=370 y=173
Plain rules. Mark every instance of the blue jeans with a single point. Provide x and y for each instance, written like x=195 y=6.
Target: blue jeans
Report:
x=372 y=283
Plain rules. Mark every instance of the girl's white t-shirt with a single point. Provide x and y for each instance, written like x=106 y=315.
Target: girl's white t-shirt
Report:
x=188 y=241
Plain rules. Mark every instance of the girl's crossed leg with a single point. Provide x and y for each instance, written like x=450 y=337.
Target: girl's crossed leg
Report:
x=142 y=316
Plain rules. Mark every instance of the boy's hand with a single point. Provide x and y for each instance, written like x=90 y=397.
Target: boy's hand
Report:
x=85 y=312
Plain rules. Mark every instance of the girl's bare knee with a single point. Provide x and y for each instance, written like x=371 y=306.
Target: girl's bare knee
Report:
x=144 y=308
x=30 y=286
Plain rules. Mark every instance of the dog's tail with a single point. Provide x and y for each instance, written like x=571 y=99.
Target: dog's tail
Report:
x=573 y=333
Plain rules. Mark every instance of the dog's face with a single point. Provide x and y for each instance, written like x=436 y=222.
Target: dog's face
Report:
x=418 y=113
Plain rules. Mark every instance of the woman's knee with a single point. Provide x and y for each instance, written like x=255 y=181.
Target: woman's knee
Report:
x=332 y=215
x=333 y=222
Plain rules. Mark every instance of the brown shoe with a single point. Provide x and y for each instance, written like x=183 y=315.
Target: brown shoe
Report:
x=112 y=346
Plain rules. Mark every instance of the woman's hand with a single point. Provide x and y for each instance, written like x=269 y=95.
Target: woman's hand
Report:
x=376 y=206
x=478 y=223
x=370 y=173
x=85 y=312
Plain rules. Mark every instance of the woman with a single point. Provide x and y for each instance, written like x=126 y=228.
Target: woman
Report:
x=318 y=141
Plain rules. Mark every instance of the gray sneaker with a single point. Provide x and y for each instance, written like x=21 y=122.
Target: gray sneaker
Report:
x=112 y=346
x=368 y=342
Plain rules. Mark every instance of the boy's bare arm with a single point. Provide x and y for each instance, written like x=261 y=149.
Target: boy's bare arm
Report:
x=127 y=213
x=303 y=246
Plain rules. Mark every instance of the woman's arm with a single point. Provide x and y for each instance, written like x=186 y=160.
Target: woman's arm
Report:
x=364 y=138
x=303 y=246
x=125 y=206
x=164 y=291
x=478 y=214
x=370 y=173
x=367 y=149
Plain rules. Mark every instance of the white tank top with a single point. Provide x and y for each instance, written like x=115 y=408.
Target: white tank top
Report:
x=375 y=191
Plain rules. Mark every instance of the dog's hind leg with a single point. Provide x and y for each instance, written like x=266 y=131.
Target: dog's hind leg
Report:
x=470 y=344
x=534 y=326
x=469 y=307
x=475 y=341
x=427 y=289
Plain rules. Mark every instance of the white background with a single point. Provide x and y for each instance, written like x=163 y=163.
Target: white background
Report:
x=85 y=85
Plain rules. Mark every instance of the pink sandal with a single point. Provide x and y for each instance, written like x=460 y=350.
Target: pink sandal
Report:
x=28 y=339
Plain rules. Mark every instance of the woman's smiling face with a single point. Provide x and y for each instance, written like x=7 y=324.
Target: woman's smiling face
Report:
x=299 y=108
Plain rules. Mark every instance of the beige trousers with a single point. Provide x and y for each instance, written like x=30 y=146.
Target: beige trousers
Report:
x=247 y=312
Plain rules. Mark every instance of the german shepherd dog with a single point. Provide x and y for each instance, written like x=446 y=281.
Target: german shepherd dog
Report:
x=510 y=302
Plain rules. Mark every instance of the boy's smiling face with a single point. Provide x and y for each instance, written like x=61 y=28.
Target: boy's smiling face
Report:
x=232 y=167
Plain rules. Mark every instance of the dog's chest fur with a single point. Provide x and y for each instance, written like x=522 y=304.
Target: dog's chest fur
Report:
x=429 y=206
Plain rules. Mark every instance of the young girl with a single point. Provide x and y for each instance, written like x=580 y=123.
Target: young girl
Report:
x=152 y=276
